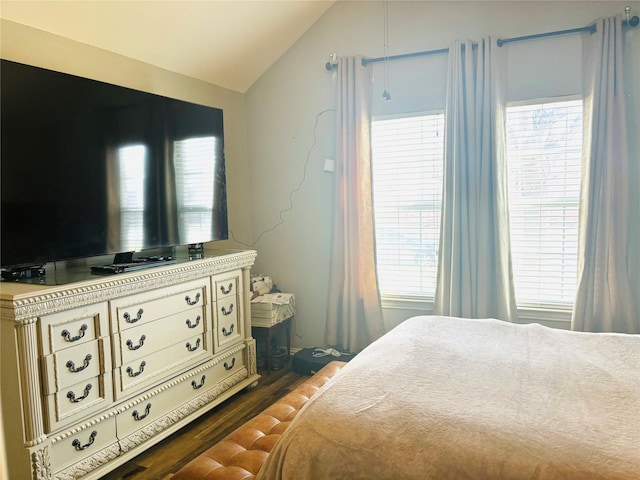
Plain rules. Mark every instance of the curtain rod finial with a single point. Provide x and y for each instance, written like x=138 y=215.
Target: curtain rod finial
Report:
x=633 y=21
x=332 y=63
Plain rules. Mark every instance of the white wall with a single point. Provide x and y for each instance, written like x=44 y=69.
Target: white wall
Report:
x=284 y=104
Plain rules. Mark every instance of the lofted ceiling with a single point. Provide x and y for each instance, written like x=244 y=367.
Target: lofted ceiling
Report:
x=229 y=43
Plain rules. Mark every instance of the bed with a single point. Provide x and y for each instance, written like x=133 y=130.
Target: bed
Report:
x=450 y=398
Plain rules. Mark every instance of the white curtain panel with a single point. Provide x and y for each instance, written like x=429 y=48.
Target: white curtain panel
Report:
x=475 y=278
x=631 y=61
x=355 y=310
x=607 y=298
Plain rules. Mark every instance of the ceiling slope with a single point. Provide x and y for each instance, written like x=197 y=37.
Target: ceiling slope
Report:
x=227 y=43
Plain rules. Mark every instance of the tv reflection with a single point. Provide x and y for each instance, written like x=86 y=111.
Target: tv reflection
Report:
x=187 y=195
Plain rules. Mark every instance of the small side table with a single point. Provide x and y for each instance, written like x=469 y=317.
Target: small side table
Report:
x=267 y=333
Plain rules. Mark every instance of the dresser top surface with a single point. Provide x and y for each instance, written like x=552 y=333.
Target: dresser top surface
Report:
x=86 y=288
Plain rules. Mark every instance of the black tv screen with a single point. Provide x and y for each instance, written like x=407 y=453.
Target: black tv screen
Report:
x=89 y=168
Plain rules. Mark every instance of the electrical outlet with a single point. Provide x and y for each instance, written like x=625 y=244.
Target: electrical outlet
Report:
x=329 y=165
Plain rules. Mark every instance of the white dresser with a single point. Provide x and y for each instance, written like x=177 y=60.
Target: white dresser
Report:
x=98 y=370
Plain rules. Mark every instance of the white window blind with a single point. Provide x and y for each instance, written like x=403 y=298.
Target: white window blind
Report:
x=407 y=161
x=195 y=166
x=544 y=149
x=131 y=165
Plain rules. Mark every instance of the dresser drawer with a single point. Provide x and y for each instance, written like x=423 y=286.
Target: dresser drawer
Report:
x=210 y=377
x=228 y=326
x=149 y=369
x=146 y=307
x=150 y=337
x=70 y=328
x=228 y=284
x=73 y=365
x=71 y=404
x=72 y=447
x=148 y=409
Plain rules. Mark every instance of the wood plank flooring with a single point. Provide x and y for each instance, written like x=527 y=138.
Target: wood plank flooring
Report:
x=163 y=460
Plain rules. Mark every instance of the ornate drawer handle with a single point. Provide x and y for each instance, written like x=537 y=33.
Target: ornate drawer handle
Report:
x=137 y=417
x=131 y=346
x=67 y=336
x=128 y=318
x=226 y=332
x=229 y=367
x=79 y=447
x=227 y=312
x=226 y=291
x=193 y=349
x=192 y=302
x=72 y=396
x=193 y=325
x=135 y=374
x=72 y=367
x=195 y=385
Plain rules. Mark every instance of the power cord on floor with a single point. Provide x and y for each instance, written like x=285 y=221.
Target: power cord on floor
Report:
x=325 y=352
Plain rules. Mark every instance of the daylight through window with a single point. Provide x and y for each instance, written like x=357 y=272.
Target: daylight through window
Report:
x=407 y=184
x=544 y=149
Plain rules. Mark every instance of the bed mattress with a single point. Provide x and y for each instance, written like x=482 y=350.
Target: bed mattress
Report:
x=450 y=398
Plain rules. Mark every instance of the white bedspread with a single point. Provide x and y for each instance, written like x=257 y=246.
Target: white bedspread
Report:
x=448 y=398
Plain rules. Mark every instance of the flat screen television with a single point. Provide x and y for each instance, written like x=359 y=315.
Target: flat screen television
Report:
x=89 y=169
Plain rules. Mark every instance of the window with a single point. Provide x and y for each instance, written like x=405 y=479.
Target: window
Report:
x=544 y=149
x=407 y=161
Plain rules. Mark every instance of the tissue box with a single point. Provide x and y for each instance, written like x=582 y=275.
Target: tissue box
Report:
x=266 y=314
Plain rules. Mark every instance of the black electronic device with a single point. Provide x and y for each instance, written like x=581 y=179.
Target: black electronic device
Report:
x=90 y=169
x=23 y=273
x=131 y=266
x=308 y=361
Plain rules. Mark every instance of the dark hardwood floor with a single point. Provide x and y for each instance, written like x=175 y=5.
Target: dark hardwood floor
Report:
x=164 y=459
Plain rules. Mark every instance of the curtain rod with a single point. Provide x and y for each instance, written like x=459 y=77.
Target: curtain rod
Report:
x=332 y=63
x=591 y=29
x=367 y=61
x=631 y=21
